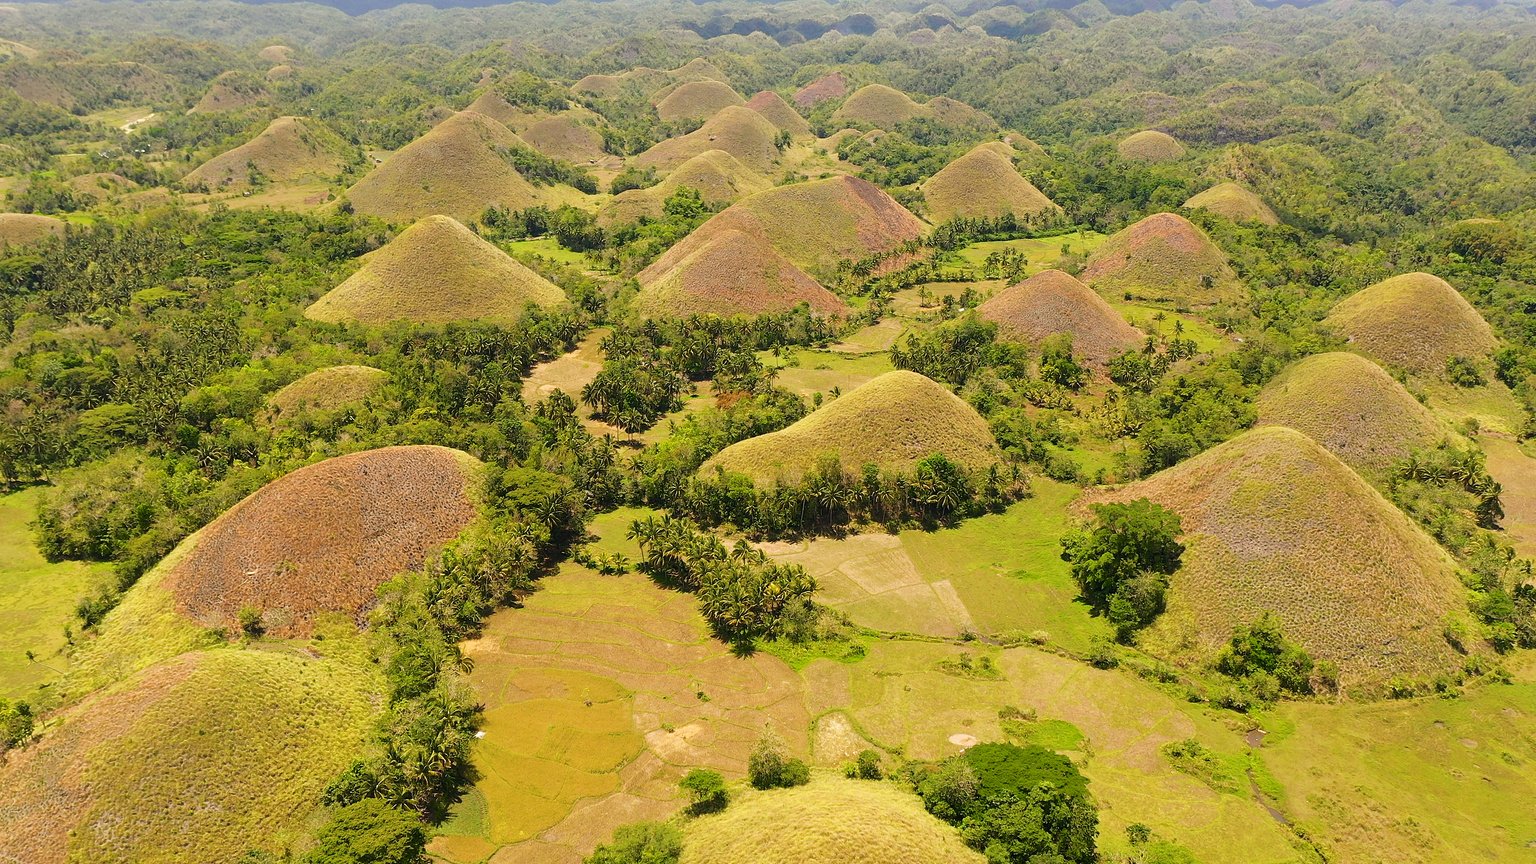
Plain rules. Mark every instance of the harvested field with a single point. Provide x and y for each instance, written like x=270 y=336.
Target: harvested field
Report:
x=456 y=169
x=878 y=105
x=983 y=183
x=1416 y=321
x=1150 y=146
x=833 y=85
x=289 y=150
x=21 y=229
x=697 y=100
x=326 y=390
x=776 y=111
x=831 y=820
x=1053 y=302
x=736 y=129
x=1163 y=258
x=719 y=177
x=734 y=273
x=1351 y=406
x=893 y=421
x=323 y=538
x=434 y=272
x=1274 y=522
x=199 y=758
x=1235 y=203
x=1516 y=472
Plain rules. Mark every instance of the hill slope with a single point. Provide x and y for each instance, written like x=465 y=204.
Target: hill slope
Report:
x=326 y=390
x=561 y=137
x=1351 y=406
x=1052 y=302
x=434 y=272
x=20 y=229
x=1235 y=203
x=697 y=100
x=323 y=538
x=776 y=111
x=1416 y=321
x=1163 y=258
x=719 y=177
x=458 y=169
x=736 y=129
x=1150 y=146
x=983 y=183
x=199 y=758
x=1274 y=522
x=733 y=274
x=289 y=149
x=893 y=421
x=833 y=85
x=877 y=105
x=813 y=224
x=230 y=92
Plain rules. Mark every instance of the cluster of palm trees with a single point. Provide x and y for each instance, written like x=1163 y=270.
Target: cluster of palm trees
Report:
x=741 y=592
x=1451 y=466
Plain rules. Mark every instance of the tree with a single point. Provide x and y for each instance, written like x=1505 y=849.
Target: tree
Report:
x=1121 y=562
x=770 y=766
x=706 y=791
x=370 y=832
x=1262 y=649
x=641 y=843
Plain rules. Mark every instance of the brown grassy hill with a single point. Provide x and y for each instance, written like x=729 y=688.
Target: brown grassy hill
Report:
x=599 y=85
x=289 y=149
x=734 y=274
x=230 y=92
x=323 y=538
x=814 y=224
x=697 y=100
x=983 y=182
x=1274 y=522
x=457 y=169
x=953 y=112
x=199 y=758
x=280 y=72
x=736 y=129
x=878 y=105
x=831 y=820
x=1416 y=321
x=1150 y=146
x=436 y=271
x=326 y=390
x=276 y=54
x=698 y=69
x=10 y=49
x=1052 y=302
x=832 y=85
x=718 y=176
x=564 y=138
x=776 y=111
x=1351 y=406
x=19 y=229
x=100 y=185
x=67 y=84
x=1235 y=203
x=894 y=421
x=491 y=104
x=1165 y=258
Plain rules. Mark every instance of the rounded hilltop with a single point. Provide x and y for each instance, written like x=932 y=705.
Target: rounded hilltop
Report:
x=1163 y=258
x=1052 y=302
x=1416 y=321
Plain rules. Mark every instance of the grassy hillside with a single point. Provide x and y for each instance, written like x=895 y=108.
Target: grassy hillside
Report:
x=1163 y=258
x=562 y=137
x=833 y=85
x=199 y=758
x=733 y=273
x=719 y=177
x=1053 y=302
x=1150 y=146
x=814 y=224
x=736 y=129
x=231 y=91
x=893 y=421
x=326 y=390
x=1416 y=321
x=1235 y=203
x=457 y=169
x=877 y=105
x=289 y=149
x=829 y=821
x=20 y=229
x=323 y=538
x=434 y=272
x=778 y=112
x=1274 y=522
x=1351 y=406
x=982 y=183
x=697 y=100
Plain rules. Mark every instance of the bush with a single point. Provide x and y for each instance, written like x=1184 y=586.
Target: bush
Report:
x=770 y=767
x=867 y=766
x=1121 y=562
x=642 y=843
x=15 y=724
x=1260 y=656
x=370 y=832
x=706 y=791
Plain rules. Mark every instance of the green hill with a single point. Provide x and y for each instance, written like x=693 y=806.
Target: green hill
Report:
x=877 y=105
x=1163 y=258
x=736 y=129
x=1416 y=321
x=289 y=149
x=697 y=100
x=893 y=421
x=326 y=390
x=231 y=91
x=983 y=183
x=1052 y=302
x=434 y=272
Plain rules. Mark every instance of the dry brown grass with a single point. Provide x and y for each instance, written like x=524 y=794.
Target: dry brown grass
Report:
x=1416 y=321
x=1052 y=302
x=983 y=183
x=894 y=421
x=815 y=224
x=457 y=169
x=833 y=85
x=776 y=111
x=953 y=112
x=733 y=273
x=736 y=129
x=1351 y=406
x=288 y=150
x=228 y=92
x=831 y=820
x=490 y=103
x=323 y=538
x=326 y=390
x=698 y=69
x=1163 y=258
x=1235 y=203
x=20 y=229
x=719 y=177
x=878 y=105
x=697 y=100
x=276 y=54
x=1275 y=523
x=562 y=137
x=434 y=272
x=1150 y=146
x=101 y=185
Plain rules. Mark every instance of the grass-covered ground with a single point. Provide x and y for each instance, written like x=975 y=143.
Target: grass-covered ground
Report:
x=1042 y=254
x=37 y=599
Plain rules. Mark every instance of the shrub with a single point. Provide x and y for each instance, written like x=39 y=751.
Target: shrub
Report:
x=641 y=843
x=370 y=832
x=867 y=766
x=771 y=767
x=706 y=791
x=1122 y=561
x=1261 y=657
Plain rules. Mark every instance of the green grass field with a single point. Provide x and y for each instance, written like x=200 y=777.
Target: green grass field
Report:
x=1042 y=254
x=37 y=599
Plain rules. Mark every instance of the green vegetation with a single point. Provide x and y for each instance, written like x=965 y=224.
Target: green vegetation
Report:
x=1122 y=562
x=369 y=832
